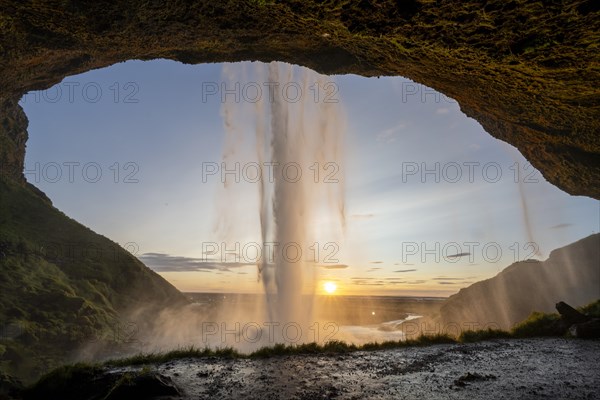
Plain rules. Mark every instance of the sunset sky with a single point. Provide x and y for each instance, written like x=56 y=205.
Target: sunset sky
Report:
x=146 y=128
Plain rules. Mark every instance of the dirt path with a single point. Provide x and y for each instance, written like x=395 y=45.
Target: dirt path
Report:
x=506 y=369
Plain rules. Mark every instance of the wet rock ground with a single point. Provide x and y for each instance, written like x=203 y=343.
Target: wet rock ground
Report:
x=503 y=369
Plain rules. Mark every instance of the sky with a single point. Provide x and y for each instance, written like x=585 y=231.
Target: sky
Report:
x=433 y=202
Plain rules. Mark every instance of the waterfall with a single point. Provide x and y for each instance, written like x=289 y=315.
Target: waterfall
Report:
x=288 y=121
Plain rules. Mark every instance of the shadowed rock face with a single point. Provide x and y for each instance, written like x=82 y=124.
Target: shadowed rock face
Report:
x=570 y=273
x=526 y=70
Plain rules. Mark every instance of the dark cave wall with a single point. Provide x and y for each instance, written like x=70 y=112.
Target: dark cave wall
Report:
x=526 y=70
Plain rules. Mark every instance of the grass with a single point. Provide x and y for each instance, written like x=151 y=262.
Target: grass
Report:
x=480 y=335
x=277 y=350
x=187 y=352
x=333 y=347
x=537 y=325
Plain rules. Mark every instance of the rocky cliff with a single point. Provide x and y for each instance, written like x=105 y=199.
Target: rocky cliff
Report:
x=63 y=286
x=570 y=274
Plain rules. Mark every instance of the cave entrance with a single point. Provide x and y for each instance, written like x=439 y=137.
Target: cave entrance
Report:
x=434 y=203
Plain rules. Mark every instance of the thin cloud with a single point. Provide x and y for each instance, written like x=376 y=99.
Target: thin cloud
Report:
x=443 y=278
x=373 y=269
x=384 y=281
x=369 y=284
x=561 y=226
x=376 y=262
x=458 y=255
x=455 y=283
x=363 y=281
x=405 y=270
x=161 y=262
x=334 y=266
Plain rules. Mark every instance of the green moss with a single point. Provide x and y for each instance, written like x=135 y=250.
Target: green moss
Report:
x=592 y=309
x=54 y=293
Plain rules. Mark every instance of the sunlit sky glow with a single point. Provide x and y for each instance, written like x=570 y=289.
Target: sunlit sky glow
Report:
x=393 y=125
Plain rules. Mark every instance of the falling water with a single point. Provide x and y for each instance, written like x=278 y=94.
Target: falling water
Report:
x=294 y=120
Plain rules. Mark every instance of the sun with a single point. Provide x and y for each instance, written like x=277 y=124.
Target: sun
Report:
x=330 y=287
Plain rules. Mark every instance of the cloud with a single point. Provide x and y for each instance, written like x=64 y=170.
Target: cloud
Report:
x=385 y=281
x=376 y=262
x=442 y=110
x=405 y=270
x=561 y=226
x=455 y=283
x=447 y=279
x=368 y=284
x=389 y=135
x=161 y=262
x=334 y=266
x=458 y=255
x=373 y=269
x=394 y=281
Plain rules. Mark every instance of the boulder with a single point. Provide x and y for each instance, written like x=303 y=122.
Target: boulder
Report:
x=586 y=330
x=569 y=314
